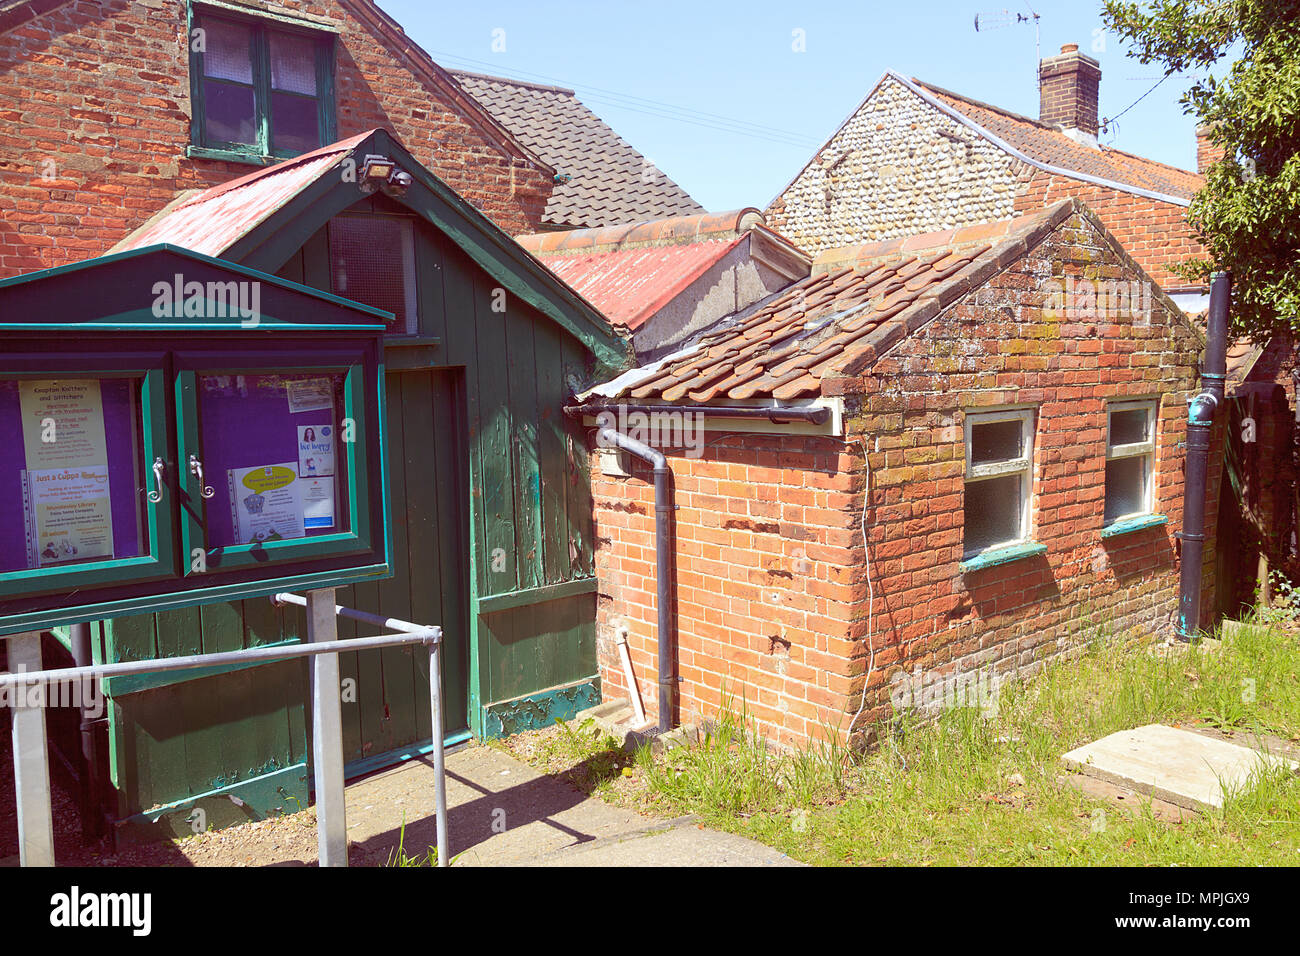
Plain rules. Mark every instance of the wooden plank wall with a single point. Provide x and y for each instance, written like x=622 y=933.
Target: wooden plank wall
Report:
x=498 y=383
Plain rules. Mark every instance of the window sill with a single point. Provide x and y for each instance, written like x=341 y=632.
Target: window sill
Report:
x=1136 y=523
x=1005 y=555
x=231 y=156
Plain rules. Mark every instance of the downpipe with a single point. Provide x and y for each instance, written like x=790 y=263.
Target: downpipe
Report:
x=1201 y=411
x=608 y=437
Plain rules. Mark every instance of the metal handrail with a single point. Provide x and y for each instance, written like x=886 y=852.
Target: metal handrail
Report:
x=327 y=744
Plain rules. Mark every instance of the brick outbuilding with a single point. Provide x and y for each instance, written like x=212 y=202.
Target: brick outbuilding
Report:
x=998 y=476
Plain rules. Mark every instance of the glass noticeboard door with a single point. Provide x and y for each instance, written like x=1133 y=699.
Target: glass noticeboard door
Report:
x=270 y=464
x=82 y=475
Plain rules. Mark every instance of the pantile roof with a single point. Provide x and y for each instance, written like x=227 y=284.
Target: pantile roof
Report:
x=858 y=303
x=1050 y=146
x=601 y=179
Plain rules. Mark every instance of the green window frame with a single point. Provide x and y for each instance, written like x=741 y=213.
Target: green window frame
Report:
x=358 y=538
x=158 y=558
x=262 y=149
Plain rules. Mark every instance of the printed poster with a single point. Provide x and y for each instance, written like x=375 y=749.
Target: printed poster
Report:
x=317 y=502
x=266 y=503
x=315 y=450
x=65 y=484
x=69 y=516
x=310 y=394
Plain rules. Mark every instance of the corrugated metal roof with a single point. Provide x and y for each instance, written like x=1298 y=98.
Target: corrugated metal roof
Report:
x=630 y=285
x=215 y=219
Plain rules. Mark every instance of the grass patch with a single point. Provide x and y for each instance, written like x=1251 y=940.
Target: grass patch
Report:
x=970 y=789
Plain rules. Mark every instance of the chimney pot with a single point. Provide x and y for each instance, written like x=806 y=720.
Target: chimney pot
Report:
x=1068 y=89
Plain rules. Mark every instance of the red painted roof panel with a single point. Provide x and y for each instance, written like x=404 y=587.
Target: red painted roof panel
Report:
x=213 y=220
x=630 y=285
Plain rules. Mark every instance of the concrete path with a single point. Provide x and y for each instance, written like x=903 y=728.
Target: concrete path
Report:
x=503 y=813
x=1180 y=767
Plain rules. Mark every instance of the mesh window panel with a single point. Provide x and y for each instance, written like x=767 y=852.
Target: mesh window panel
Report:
x=293 y=64
x=993 y=509
x=294 y=123
x=226 y=51
x=372 y=262
x=1125 y=487
x=996 y=441
x=1128 y=427
x=228 y=113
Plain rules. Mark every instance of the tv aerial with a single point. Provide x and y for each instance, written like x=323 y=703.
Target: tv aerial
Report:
x=1006 y=18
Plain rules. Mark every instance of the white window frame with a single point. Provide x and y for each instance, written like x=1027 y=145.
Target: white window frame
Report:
x=1143 y=449
x=1024 y=466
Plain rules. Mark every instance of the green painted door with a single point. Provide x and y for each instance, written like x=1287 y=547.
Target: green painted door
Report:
x=386 y=707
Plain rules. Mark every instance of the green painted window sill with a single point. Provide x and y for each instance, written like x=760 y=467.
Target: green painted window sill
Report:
x=1125 y=525
x=231 y=156
x=996 y=556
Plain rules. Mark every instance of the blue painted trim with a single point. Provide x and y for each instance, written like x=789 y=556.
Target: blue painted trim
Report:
x=542 y=709
x=996 y=556
x=1125 y=525
x=281 y=790
x=421 y=748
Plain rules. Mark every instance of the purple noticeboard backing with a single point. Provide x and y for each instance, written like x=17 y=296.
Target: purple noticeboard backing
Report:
x=120 y=398
x=245 y=422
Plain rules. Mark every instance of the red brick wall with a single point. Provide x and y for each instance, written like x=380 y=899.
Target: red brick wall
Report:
x=97 y=95
x=1154 y=233
x=768 y=580
x=772 y=597
x=997 y=347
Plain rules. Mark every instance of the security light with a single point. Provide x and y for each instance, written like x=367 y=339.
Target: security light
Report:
x=380 y=172
x=376 y=169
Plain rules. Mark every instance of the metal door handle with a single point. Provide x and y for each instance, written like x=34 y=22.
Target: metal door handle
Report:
x=196 y=468
x=155 y=496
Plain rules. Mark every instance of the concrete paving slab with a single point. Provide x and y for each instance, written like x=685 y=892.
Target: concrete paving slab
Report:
x=1180 y=767
x=501 y=812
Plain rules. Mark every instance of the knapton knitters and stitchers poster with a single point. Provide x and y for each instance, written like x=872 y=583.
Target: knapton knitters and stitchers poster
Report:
x=66 y=500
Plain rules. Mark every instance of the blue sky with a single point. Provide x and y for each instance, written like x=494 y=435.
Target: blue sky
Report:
x=715 y=94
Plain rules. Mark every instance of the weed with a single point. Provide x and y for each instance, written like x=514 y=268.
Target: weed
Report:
x=399 y=856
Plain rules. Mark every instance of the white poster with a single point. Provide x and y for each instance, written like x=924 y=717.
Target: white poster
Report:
x=317 y=502
x=266 y=503
x=65 y=485
x=315 y=450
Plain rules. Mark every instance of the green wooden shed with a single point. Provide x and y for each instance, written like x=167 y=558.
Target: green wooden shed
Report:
x=491 y=508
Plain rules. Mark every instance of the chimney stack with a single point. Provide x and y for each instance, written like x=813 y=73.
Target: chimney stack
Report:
x=1068 y=86
x=1207 y=153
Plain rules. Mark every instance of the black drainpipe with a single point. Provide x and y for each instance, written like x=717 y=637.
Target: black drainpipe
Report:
x=1200 y=420
x=91 y=792
x=607 y=437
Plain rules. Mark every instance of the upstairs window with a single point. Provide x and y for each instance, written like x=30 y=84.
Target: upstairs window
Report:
x=259 y=91
x=1130 y=459
x=999 y=479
